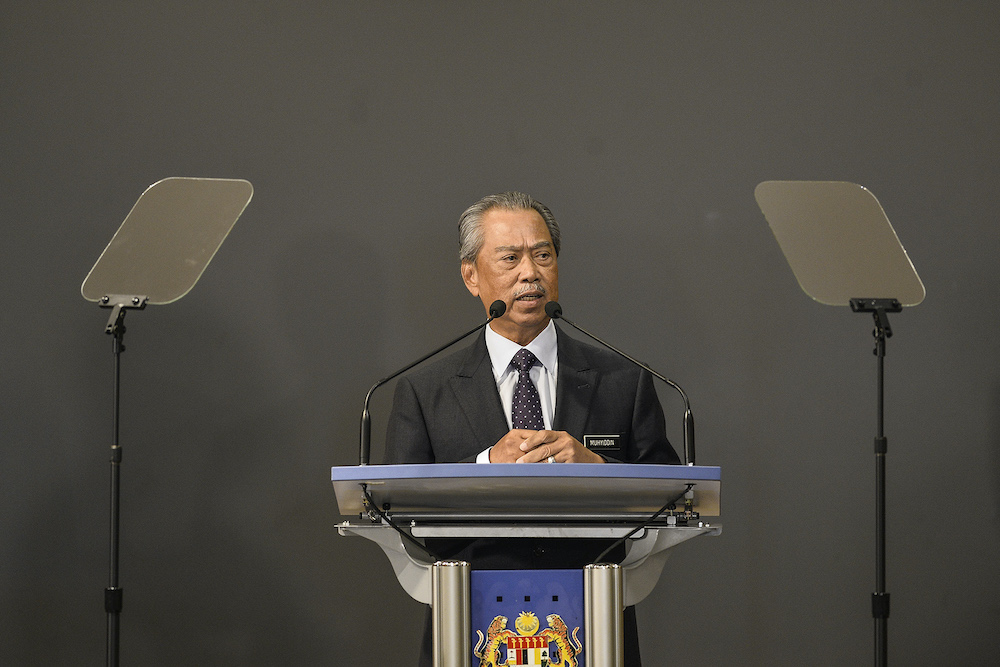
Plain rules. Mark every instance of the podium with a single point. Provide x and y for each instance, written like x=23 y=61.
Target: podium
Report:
x=400 y=506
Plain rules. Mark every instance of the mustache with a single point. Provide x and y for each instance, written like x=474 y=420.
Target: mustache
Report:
x=531 y=287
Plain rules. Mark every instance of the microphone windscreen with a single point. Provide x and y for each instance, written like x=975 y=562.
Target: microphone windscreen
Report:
x=498 y=308
x=553 y=310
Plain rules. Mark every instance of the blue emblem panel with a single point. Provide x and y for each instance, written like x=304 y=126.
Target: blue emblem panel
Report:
x=527 y=617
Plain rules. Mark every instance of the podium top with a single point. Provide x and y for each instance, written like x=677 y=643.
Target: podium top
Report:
x=517 y=492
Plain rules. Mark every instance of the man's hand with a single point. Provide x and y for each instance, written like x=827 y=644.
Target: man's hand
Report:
x=525 y=446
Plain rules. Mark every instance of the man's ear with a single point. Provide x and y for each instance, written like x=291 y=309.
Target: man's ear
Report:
x=471 y=277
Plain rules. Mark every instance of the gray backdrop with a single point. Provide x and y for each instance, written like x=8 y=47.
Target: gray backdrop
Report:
x=366 y=128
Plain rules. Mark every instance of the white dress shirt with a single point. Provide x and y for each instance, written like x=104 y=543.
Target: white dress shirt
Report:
x=543 y=374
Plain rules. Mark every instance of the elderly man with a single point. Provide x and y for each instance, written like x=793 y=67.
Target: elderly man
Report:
x=524 y=391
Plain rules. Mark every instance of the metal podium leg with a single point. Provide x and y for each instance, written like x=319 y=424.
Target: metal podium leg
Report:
x=604 y=615
x=450 y=614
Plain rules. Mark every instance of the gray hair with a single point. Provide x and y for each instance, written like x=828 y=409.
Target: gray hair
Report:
x=470 y=225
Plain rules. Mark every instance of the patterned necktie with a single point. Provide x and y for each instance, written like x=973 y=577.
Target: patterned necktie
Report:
x=526 y=408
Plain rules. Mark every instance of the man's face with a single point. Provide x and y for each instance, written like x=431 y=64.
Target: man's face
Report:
x=516 y=264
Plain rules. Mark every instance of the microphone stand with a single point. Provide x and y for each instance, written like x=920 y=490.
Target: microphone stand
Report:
x=497 y=309
x=554 y=310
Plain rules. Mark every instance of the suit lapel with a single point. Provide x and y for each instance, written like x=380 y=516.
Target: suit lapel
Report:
x=475 y=387
x=575 y=387
x=476 y=391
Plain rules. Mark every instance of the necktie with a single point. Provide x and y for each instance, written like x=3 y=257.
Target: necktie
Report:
x=526 y=408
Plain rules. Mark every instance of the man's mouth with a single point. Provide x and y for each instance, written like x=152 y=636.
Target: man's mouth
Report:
x=532 y=293
x=531 y=296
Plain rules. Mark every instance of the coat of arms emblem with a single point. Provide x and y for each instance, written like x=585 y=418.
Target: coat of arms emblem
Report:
x=528 y=647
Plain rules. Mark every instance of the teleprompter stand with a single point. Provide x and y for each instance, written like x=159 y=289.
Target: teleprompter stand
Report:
x=155 y=257
x=843 y=251
x=510 y=501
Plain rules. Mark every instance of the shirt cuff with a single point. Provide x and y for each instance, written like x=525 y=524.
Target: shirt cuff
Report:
x=484 y=456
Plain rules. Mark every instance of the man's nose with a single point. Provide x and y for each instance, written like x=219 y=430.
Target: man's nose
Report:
x=529 y=269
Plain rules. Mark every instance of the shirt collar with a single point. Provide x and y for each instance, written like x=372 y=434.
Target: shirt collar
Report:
x=502 y=350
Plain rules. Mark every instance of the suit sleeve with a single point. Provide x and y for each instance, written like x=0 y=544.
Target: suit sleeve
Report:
x=649 y=435
x=410 y=437
x=406 y=438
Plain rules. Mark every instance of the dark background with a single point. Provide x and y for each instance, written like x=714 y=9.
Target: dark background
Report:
x=366 y=128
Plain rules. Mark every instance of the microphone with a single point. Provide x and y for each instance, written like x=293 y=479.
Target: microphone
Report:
x=554 y=311
x=497 y=309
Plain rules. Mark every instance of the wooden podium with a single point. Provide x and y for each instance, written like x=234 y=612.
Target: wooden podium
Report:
x=580 y=500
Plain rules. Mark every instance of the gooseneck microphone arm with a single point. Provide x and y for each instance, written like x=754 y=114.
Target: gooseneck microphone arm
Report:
x=554 y=311
x=497 y=309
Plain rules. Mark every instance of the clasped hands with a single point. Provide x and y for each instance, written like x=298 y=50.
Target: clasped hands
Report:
x=527 y=446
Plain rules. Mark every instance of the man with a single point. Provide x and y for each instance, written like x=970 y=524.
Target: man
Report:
x=475 y=405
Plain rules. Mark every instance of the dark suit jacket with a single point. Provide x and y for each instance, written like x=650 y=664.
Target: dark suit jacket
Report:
x=450 y=411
